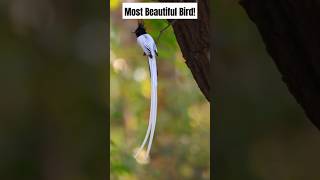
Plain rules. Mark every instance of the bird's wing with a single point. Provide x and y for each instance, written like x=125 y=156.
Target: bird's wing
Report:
x=152 y=43
x=155 y=48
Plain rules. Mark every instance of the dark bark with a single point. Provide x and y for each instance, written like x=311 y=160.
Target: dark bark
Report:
x=193 y=39
x=291 y=32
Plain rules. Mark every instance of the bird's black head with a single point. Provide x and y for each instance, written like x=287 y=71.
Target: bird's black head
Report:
x=140 y=30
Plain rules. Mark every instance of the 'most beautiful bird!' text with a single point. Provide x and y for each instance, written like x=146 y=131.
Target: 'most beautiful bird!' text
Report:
x=160 y=12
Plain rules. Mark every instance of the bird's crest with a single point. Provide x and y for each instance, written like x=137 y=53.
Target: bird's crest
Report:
x=140 y=30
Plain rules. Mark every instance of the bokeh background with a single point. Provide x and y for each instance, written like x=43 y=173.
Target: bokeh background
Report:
x=53 y=100
x=261 y=133
x=181 y=146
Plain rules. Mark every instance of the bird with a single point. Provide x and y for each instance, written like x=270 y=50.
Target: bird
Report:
x=148 y=45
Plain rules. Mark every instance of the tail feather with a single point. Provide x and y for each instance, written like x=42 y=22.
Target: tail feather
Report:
x=154 y=102
x=153 y=107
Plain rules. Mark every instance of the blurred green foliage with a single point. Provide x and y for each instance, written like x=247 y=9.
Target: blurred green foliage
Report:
x=181 y=146
x=53 y=90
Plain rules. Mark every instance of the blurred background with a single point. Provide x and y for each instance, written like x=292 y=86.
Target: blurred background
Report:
x=181 y=145
x=53 y=90
x=261 y=132
x=54 y=97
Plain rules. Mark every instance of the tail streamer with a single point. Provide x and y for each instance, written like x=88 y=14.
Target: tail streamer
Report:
x=153 y=108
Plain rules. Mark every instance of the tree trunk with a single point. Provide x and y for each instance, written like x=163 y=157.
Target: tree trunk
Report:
x=291 y=32
x=193 y=39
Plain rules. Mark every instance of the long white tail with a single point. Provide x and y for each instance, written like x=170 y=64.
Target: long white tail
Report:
x=153 y=107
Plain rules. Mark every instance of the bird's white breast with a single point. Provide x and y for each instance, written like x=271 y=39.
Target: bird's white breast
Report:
x=146 y=42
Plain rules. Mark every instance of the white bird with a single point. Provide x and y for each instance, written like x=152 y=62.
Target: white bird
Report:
x=149 y=47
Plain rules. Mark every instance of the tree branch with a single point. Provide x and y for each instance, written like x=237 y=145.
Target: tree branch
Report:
x=193 y=39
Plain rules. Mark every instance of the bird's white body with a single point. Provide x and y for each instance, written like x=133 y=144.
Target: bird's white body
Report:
x=148 y=45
